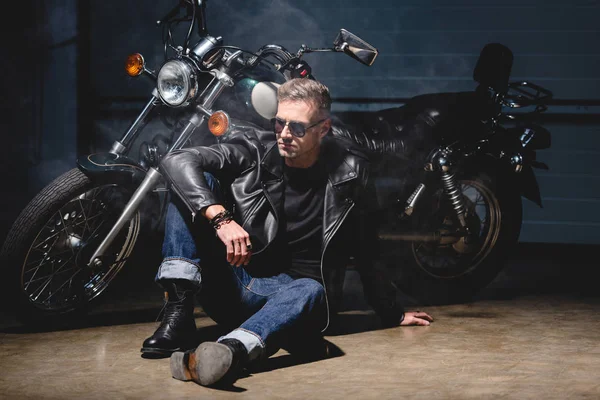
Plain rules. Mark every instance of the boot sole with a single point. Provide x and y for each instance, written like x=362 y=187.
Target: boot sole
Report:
x=179 y=366
x=207 y=365
x=160 y=352
x=151 y=352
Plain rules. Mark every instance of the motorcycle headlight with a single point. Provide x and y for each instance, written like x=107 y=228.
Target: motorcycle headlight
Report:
x=176 y=83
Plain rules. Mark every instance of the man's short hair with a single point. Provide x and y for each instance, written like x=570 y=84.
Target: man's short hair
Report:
x=304 y=89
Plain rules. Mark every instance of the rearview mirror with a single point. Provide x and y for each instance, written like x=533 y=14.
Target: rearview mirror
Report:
x=355 y=47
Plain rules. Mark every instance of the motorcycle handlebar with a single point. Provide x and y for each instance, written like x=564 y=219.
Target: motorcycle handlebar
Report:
x=277 y=51
x=168 y=16
x=201 y=17
x=196 y=13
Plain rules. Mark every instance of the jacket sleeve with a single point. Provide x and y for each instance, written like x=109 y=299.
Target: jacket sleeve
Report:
x=376 y=277
x=185 y=168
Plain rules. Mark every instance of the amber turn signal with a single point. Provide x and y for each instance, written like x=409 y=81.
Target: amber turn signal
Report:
x=218 y=123
x=134 y=65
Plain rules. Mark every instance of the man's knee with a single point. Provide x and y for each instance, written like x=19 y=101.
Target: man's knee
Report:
x=310 y=289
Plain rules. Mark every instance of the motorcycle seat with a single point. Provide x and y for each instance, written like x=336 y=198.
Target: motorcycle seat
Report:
x=418 y=124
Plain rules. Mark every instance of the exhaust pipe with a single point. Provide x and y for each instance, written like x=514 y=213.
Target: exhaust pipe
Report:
x=418 y=237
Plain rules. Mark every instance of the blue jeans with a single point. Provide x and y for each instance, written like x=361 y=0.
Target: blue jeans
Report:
x=264 y=313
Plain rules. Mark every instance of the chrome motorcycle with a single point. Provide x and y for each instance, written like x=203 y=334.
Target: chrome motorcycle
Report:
x=71 y=241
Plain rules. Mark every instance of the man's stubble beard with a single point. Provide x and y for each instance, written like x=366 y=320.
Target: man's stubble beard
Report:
x=287 y=154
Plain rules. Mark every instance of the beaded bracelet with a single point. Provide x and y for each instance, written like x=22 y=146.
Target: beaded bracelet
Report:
x=224 y=217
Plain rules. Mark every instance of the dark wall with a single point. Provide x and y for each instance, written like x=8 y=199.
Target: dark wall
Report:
x=39 y=103
x=79 y=99
x=426 y=46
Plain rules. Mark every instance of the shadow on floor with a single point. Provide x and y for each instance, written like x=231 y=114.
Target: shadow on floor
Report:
x=538 y=268
x=534 y=269
x=122 y=317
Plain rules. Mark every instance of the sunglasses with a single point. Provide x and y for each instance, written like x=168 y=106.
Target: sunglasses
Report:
x=297 y=128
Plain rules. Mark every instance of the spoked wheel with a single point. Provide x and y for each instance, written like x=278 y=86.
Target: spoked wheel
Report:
x=56 y=261
x=48 y=249
x=444 y=263
x=458 y=254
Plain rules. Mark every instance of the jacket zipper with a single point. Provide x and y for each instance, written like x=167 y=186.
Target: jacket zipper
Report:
x=337 y=226
x=268 y=199
x=185 y=201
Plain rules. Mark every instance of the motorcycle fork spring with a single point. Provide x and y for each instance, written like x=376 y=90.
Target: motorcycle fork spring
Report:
x=455 y=196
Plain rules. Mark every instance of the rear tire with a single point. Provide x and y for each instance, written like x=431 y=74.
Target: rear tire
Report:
x=436 y=273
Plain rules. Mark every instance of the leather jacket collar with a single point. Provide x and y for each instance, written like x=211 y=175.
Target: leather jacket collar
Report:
x=338 y=167
x=341 y=169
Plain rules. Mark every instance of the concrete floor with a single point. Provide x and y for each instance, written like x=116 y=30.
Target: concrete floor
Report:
x=532 y=334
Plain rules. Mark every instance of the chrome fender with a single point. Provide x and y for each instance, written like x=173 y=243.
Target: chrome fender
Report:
x=111 y=168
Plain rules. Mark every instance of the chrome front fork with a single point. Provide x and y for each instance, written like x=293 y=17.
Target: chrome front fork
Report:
x=148 y=184
x=153 y=176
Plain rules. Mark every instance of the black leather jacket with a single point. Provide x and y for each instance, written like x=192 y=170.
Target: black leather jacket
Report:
x=249 y=163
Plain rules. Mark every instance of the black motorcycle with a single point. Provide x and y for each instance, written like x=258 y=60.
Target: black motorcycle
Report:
x=71 y=241
x=452 y=169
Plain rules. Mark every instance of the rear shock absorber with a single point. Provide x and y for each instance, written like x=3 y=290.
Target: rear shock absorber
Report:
x=440 y=162
x=455 y=196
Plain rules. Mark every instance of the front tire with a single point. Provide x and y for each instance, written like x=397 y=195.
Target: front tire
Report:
x=45 y=255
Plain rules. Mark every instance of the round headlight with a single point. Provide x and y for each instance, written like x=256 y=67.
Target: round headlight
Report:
x=176 y=83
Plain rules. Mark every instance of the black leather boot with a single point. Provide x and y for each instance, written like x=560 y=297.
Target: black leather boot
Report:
x=211 y=364
x=177 y=331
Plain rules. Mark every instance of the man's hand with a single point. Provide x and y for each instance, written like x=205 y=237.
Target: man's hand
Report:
x=416 y=318
x=235 y=238
x=237 y=241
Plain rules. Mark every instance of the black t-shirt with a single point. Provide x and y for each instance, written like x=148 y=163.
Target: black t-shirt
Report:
x=303 y=204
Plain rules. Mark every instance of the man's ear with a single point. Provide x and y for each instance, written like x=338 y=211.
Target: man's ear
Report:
x=326 y=126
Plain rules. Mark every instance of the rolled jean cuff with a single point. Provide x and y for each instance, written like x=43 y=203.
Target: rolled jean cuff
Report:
x=251 y=341
x=179 y=268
